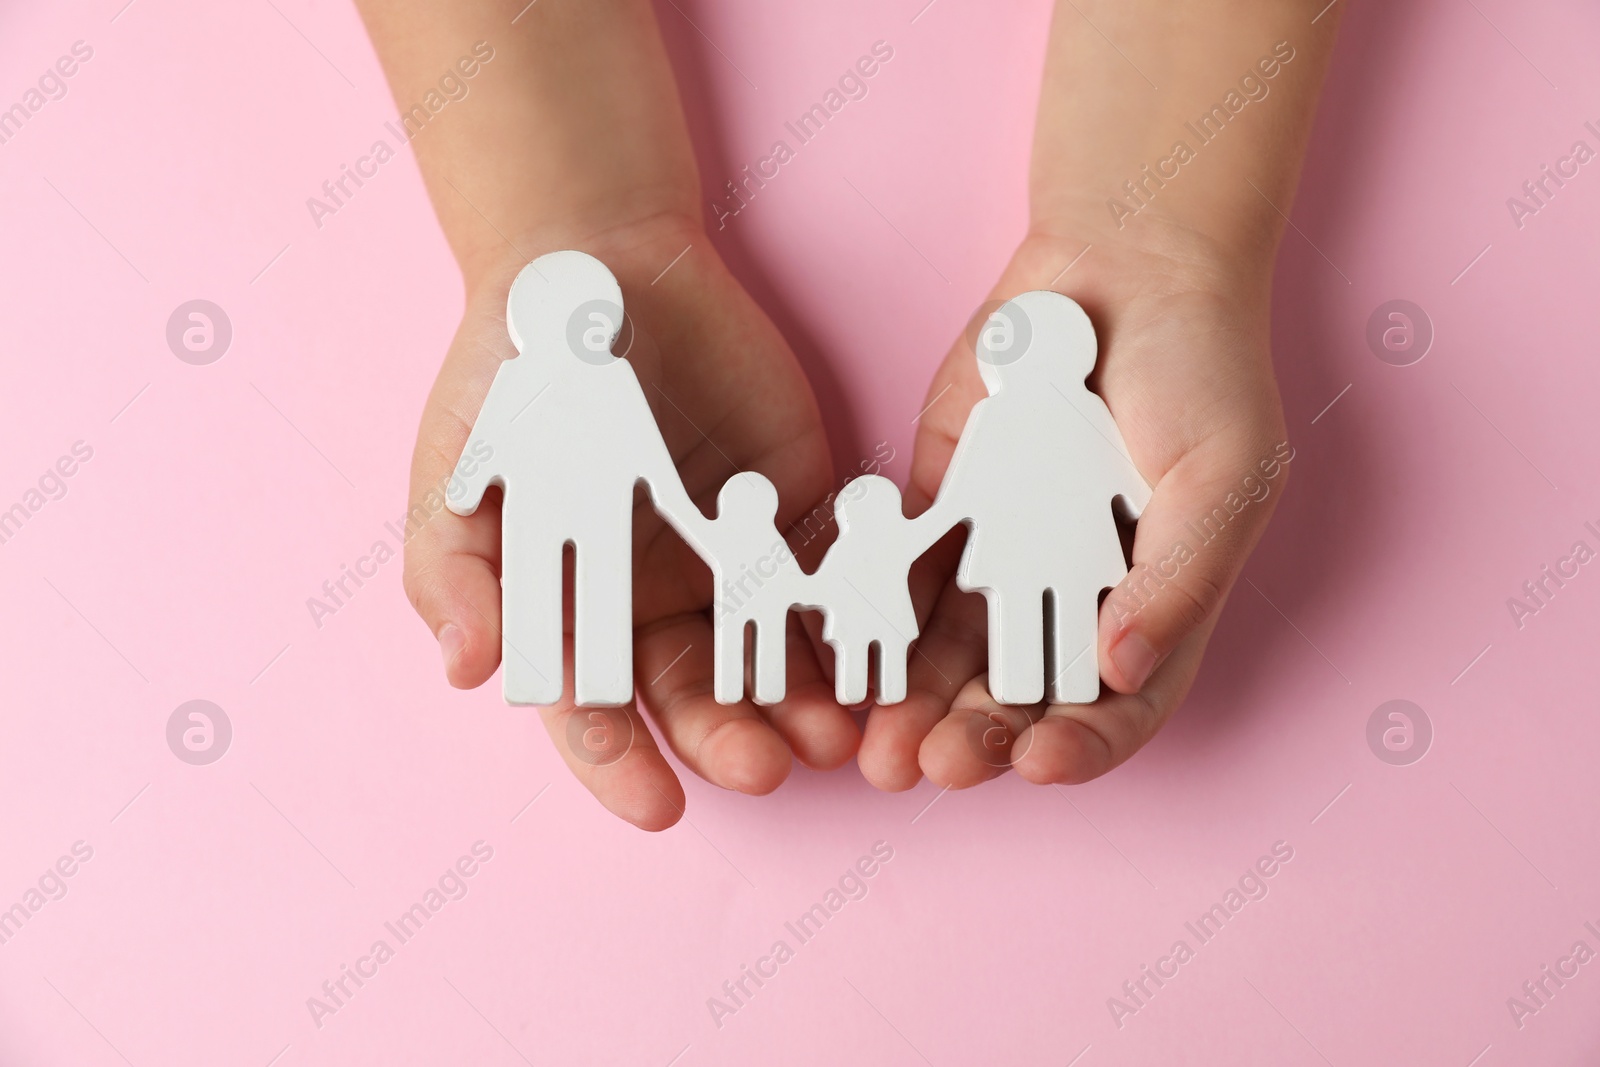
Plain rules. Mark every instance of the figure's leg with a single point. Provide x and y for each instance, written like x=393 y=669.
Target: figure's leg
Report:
x=771 y=658
x=849 y=671
x=892 y=651
x=728 y=644
x=1075 y=632
x=603 y=629
x=530 y=617
x=1016 y=648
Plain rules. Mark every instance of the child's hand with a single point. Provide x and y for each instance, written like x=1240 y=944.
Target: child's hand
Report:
x=1177 y=228
x=1185 y=368
x=573 y=137
x=728 y=395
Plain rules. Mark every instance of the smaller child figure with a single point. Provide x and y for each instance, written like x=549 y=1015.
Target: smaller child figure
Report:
x=756 y=580
x=865 y=591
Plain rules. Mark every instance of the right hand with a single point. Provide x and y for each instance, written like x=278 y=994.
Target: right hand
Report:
x=728 y=395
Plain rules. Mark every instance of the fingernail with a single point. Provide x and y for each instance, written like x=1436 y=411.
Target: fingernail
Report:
x=451 y=642
x=1134 y=657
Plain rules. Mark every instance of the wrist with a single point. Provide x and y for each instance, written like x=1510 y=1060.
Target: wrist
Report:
x=1203 y=168
x=632 y=248
x=1164 y=259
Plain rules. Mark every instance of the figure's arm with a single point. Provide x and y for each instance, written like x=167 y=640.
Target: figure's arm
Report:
x=1125 y=479
x=950 y=505
x=479 y=463
x=659 y=472
x=925 y=529
x=673 y=504
x=465 y=488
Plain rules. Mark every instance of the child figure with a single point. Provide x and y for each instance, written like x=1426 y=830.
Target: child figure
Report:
x=756 y=580
x=866 y=595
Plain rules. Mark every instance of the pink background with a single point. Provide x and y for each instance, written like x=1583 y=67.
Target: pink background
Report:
x=219 y=898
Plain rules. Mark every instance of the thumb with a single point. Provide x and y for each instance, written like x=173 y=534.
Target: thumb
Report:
x=451 y=580
x=451 y=567
x=1203 y=520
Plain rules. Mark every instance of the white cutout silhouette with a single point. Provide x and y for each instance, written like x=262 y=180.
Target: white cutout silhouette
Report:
x=569 y=435
x=756 y=581
x=1034 y=475
x=862 y=587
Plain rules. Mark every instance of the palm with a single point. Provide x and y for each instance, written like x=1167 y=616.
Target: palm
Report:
x=728 y=396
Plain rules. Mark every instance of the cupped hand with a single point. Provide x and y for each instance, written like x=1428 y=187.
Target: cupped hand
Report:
x=1185 y=368
x=728 y=395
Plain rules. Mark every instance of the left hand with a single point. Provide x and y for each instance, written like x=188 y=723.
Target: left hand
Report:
x=1186 y=369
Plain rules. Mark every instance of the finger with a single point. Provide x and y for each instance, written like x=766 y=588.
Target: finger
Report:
x=611 y=751
x=951 y=650
x=821 y=733
x=730 y=745
x=454 y=588
x=977 y=740
x=1205 y=517
x=450 y=572
x=1074 y=743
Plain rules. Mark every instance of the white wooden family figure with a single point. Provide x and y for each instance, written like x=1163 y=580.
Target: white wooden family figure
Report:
x=570 y=434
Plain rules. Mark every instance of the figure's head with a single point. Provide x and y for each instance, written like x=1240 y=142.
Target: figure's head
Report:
x=872 y=501
x=1034 y=341
x=567 y=304
x=749 y=496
